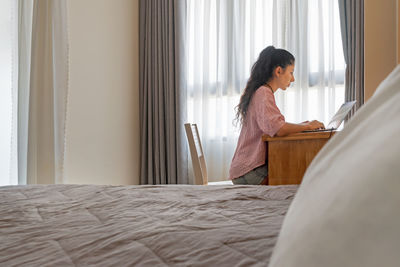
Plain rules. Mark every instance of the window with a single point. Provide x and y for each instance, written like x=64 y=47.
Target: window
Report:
x=7 y=52
x=224 y=39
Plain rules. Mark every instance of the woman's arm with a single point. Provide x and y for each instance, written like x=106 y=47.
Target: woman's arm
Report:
x=289 y=128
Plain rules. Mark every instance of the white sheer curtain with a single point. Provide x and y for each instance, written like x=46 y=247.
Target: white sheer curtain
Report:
x=225 y=38
x=42 y=90
x=34 y=82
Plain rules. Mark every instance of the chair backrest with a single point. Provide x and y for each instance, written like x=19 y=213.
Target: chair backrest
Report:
x=196 y=152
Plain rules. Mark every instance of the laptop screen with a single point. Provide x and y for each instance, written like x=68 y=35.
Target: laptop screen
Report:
x=340 y=115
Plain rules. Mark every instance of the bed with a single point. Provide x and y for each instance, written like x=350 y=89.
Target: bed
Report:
x=55 y=225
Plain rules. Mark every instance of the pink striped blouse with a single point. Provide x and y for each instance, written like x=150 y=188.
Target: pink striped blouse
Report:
x=263 y=117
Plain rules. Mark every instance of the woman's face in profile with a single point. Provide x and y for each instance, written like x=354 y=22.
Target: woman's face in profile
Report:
x=286 y=77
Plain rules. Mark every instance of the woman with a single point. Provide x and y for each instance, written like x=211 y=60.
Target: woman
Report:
x=258 y=114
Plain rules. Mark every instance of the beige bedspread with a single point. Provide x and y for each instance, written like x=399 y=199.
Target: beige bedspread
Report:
x=56 y=225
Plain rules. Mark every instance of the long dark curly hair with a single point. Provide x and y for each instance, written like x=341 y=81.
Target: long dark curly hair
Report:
x=261 y=73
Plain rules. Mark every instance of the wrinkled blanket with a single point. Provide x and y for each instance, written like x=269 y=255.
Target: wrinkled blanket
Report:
x=183 y=225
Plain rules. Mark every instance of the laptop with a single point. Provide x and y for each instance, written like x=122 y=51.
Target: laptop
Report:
x=337 y=118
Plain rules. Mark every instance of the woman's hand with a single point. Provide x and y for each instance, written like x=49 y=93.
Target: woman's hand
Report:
x=289 y=128
x=313 y=125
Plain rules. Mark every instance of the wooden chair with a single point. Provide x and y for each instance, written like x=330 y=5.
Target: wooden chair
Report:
x=196 y=152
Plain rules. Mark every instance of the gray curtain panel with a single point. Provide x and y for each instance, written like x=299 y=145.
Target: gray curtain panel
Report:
x=162 y=92
x=352 y=26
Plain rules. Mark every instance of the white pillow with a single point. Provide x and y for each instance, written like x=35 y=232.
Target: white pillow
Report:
x=347 y=209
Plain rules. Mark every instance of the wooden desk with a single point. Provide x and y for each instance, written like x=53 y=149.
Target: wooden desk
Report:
x=289 y=156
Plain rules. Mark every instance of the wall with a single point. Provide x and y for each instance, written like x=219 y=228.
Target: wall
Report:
x=380 y=42
x=102 y=145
